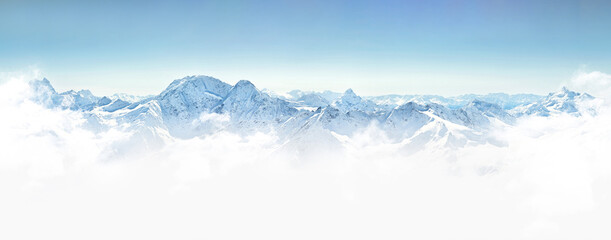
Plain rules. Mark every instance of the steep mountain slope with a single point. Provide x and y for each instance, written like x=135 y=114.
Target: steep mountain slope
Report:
x=187 y=98
x=244 y=101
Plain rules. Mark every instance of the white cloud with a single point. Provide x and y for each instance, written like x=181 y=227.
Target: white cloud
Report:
x=60 y=180
x=595 y=83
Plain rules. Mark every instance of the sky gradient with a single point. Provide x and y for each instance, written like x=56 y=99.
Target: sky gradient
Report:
x=374 y=47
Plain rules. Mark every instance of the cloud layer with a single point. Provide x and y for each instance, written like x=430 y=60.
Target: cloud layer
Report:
x=552 y=180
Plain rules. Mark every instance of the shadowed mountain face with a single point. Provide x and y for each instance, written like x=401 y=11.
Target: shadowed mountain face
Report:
x=200 y=105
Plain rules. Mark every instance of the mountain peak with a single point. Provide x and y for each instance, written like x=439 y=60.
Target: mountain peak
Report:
x=104 y=101
x=85 y=92
x=564 y=92
x=489 y=109
x=479 y=104
x=349 y=92
x=350 y=97
x=244 y=86
x=198 y=84
x=244 y=83
x=193 y=78
x=564 y=89
x=199 y=77
x=42 y=85
x=242 y=89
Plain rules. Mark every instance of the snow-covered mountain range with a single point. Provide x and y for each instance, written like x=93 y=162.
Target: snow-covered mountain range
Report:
x=200 y=105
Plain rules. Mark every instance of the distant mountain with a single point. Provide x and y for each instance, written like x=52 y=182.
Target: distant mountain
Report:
x=45 y=93
x=128 y=97
x=200 y=105
x=563 y=101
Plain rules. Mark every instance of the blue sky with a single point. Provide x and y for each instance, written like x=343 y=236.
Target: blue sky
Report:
x=374 y=47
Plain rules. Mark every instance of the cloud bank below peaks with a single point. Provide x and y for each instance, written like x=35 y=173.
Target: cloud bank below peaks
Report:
x=73 y=173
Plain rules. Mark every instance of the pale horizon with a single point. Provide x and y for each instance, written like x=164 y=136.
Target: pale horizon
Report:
x=101 y=89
